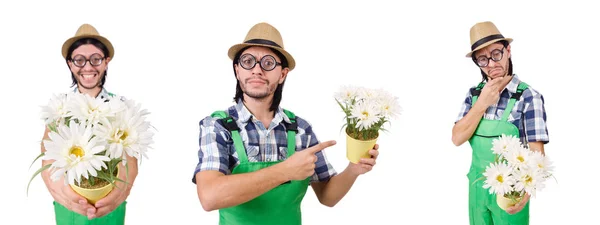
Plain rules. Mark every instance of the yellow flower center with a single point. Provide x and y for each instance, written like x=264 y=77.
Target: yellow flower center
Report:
x=124 y=135
x=528 y=179
x=120 y=135
x=76 y=150
x=520 y=158
x=500 y=179
x=365 y=113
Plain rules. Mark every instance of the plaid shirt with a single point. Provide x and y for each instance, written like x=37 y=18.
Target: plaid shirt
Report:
x=217 y=151
x=528 y=114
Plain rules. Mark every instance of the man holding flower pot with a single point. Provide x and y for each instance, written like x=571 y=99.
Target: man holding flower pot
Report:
x=500 y=104
x=256 y=159
x=87 y=55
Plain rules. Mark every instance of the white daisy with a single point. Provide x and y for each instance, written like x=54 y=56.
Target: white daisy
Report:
x=529 y=181
x=92 y=110
x=519 y=157
x=346 y=94
x=498 y=178
x=368 y=94
x=388 y=105
x=128 y=133
x=55 y=111
x=74 y=152
x=542 y=163
x=505 y=144
x=366 y=113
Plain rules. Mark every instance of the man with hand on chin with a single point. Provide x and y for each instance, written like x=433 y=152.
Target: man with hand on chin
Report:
x=500 y=104
x=256 y=159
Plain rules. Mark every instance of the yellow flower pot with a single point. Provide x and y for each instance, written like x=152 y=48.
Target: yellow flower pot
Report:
x=357 y=149
x=505 y=203
x=93 y=195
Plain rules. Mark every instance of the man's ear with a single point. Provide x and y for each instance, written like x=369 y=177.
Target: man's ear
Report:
x=284 y=73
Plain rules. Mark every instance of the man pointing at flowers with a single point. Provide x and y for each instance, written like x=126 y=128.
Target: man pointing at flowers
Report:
x=256 y=159
x=500 y=105
x=87 y=55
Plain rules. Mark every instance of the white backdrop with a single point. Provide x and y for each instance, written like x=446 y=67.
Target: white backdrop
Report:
x=172 y=57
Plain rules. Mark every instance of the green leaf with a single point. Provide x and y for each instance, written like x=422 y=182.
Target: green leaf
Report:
x=36 y=158
x=35 y=174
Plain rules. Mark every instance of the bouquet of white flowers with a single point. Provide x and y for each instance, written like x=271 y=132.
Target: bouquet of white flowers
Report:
x=89 y=137
x=366 y=111
x=516 y=171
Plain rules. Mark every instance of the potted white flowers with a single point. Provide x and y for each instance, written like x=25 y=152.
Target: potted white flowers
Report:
x=366 y=111
x=515 y=172
x=88 y=139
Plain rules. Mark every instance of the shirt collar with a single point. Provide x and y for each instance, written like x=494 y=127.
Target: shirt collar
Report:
x=513 y=84
x=102 y=95
x=244 y=115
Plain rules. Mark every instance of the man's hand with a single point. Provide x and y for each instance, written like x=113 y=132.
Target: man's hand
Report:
x=365 y=164
x=119 y=193
x=64 y=195
x=519 y=206
x=110 y=202
x=302 y=163
x=491 y=91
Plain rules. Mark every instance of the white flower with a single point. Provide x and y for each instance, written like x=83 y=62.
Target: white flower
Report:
x=366 y=113
x=74 y=151
x=128 y=133
x=367 y=94
x=346 y=94
x=92 y=110
x=519 y=157
x=541 y=163
x=529 y=181
x=55 y=111
x=388 y=104
x=498 y=178
x=505 y=144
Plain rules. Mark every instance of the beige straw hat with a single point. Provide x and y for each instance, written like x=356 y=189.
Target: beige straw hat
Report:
x=87 y=31
x=484 y=34
x=265 y=35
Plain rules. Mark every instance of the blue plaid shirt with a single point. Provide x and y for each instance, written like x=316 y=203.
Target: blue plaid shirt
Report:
x=528 y=114
x=217 y=151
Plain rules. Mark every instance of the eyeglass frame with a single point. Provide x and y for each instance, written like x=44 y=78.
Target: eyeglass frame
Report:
x=258 y=62
x=476 y=59
x=102 y=58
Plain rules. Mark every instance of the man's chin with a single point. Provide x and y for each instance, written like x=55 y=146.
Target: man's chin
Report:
x=85 y=86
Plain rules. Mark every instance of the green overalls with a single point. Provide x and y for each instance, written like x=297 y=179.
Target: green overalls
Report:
x=65 y=216
x=280 y=205
x=483 y=208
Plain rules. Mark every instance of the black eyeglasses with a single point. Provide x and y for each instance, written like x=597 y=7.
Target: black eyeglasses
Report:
x=483 y=61
x=267 y=62
x=80 y=60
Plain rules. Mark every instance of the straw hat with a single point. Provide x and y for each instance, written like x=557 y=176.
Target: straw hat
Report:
x=265 y=35
x=484 y=34
x=87 y=31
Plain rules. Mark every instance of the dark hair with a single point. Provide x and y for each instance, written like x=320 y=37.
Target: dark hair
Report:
x=239 y=94
x=510 y=65
x=85 y=41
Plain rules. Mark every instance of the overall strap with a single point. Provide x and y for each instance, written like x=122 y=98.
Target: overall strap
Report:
x=292 y=129
x=475 y=92
x=511 y=103
x=232 y=127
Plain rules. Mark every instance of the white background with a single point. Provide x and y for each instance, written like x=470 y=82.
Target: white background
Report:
x=172 y=57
